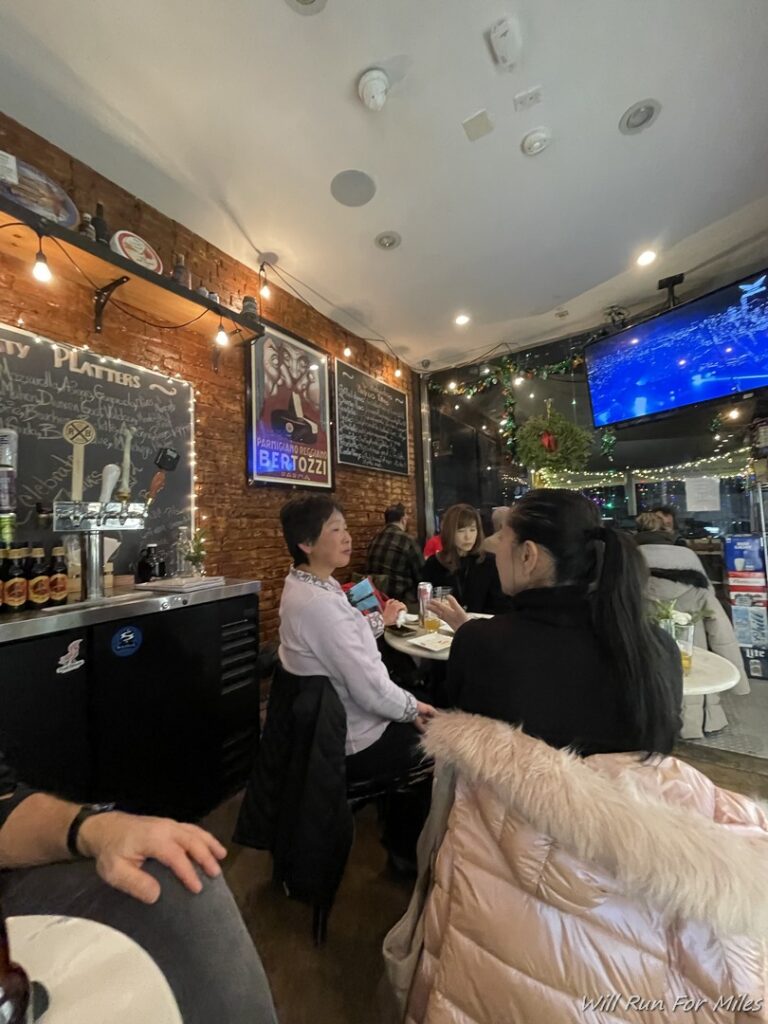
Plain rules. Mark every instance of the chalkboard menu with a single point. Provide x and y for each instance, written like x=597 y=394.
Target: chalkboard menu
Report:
x=371 y=422
x=56 y=396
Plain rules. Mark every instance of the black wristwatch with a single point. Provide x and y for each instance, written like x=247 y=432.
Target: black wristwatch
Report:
x=85 y=812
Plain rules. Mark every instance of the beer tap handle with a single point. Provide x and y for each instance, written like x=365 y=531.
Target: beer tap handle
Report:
x=109 y=477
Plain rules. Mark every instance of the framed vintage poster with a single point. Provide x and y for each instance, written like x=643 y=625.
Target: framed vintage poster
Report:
x=289 y=438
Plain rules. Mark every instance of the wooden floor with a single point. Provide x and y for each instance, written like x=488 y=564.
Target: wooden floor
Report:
x=338 y=983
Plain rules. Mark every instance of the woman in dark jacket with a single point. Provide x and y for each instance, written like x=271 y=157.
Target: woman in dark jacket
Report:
x=576 y=662
x=463 y=565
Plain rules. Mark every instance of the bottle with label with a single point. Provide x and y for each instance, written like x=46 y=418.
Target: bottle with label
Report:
x=100 y=225
x=86 y=227
x=58 y=578
x=147 y=567
x=180 y=273
x=15 y=582
x=38 y=581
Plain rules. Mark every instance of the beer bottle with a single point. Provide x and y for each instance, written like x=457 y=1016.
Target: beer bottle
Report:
x=38 y=590
x=58 y=578
x=14 y=984
x=15 y=583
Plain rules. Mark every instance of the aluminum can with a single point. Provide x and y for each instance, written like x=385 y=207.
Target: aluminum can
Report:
x=424 y=593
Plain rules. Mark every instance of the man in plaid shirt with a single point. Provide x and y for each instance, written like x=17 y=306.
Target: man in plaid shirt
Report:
x=394 y=559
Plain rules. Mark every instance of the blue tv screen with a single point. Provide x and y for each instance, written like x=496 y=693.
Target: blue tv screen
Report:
x=706 y=349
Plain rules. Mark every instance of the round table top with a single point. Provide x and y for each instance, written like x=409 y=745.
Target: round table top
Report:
x=401 y=642
x=710 y=673
x=92 y=973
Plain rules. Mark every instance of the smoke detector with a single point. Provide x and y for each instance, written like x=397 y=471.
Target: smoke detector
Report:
x=306 y=6
x=536 y=141
x=373 y=88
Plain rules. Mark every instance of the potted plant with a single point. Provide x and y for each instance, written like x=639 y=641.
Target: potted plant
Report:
x=196 y=553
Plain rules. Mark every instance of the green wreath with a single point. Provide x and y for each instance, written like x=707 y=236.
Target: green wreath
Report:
x=553 y=442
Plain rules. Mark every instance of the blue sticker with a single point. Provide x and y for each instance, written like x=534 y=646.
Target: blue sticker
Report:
x=126 y=641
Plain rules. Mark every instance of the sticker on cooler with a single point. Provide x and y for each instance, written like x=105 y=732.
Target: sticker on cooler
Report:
x=750 y=625
x=757 y=662
x=744 y=553
x=71 y=661
x=126 y=641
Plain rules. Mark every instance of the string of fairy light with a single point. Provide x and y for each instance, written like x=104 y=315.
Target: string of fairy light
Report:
x=736 y=464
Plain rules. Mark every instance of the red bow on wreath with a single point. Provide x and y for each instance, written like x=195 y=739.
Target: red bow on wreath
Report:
x=548 y=441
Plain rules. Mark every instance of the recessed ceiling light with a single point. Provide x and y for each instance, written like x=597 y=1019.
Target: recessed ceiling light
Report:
x=387 y=240
x=532 y=395
x=306 y=6
x=639 y=116
x=353 y=188
x=461 y=320
x=645 y=259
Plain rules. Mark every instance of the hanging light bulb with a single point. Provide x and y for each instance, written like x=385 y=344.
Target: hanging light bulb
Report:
x=41 y=271
x=222 y=338
x=264 y=291
x=347 y=352
x=398 y=371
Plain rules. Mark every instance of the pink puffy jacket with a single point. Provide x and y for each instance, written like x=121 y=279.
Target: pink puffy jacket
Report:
x=586 y=890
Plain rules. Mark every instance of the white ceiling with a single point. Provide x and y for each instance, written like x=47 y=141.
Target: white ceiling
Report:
x=233 y=118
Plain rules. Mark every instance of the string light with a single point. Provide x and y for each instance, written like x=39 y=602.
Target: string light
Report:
x=41 y=271
x=222 y=338
x=717 y=465
x=264 y=290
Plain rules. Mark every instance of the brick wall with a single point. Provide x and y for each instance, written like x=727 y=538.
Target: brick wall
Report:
x=243 y=526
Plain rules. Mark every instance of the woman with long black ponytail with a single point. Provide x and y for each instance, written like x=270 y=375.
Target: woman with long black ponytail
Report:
x=576 y=662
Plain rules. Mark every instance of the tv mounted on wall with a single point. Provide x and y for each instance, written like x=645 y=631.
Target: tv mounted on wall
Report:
x=707 y=349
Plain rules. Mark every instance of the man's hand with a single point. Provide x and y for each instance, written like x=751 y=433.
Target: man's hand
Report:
x=120 y=843
x=450 y=611
x=425 y=712
x=391 y=610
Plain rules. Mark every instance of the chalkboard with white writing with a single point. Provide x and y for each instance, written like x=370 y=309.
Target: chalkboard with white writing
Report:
x=371 y=422
x=56 y=397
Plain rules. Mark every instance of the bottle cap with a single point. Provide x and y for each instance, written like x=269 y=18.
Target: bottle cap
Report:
x=38 y=552
x=57 y=551
x=15 y=553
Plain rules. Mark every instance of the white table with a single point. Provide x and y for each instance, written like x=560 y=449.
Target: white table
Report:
x=400 y=643
x=93 y=973
x=709 y=674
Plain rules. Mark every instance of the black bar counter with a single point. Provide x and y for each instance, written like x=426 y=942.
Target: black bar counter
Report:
x=148 y=700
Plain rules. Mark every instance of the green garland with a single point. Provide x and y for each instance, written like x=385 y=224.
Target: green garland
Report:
x=553 y=442
x=504 y=372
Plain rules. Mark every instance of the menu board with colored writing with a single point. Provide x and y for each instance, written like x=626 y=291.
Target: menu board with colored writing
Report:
x=56 y=396
x=371 y=422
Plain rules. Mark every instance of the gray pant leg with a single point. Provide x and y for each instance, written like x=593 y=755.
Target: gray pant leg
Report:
x=199 y=942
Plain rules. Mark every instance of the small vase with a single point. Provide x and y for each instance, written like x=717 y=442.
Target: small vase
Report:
x=196 y=569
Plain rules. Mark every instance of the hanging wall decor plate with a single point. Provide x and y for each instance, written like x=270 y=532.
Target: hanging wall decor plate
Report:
x=129 y=245
x=289 y=434
x=35 y=191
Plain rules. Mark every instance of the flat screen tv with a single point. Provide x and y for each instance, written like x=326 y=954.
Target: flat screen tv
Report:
x=709 y=348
